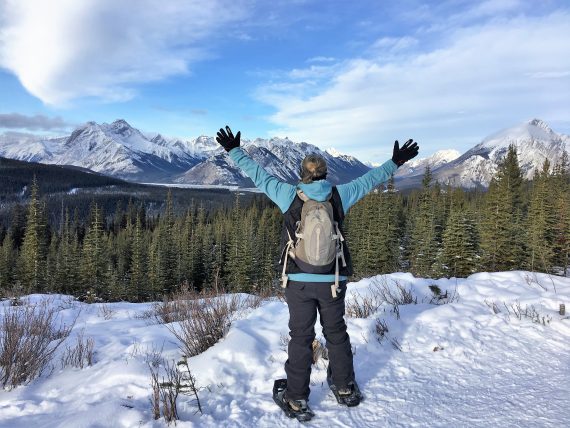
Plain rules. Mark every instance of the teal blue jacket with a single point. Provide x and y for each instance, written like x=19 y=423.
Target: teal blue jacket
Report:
x=283 y=193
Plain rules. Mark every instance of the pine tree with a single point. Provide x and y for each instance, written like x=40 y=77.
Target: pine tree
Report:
x=540 y=221
x=138 y=289
x=167 y=249
x=560 y=197
x=8 y=257
x=240 y=249
x=502 y=230
x=33 y=253
x=423 y=237
x=18 y=225
x=94 y=257
x=67 y=278
x=460 y=253
x=389 y=253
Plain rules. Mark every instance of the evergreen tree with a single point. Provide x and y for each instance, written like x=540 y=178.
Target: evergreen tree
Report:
x=94 y=256
x=389 y=250
x=33 y=253
x=540 y=221
x=423 y=236
x=138 y=283
x=502 y=230
x=167 y=249
x=240 y=250
x=66 y=277
x=559 y=194
x=460 y=252
x=18 y=225
x=8 y=257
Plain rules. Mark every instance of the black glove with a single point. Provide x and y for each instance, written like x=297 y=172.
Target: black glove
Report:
x=228 y=141
x=404 y=154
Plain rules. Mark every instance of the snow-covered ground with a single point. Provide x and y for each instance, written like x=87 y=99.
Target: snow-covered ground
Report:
x=459 y=364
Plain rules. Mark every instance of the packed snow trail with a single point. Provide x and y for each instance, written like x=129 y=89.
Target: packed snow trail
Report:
x=454 y=365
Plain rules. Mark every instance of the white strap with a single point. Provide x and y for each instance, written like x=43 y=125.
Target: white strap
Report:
x=302 y=196
x=284 y=276
x=334 y=287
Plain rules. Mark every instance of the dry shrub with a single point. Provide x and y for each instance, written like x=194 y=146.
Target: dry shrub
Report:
x=381 y=329
x=80 y=355
x=29 y=336
x=202 y=319
x=320 y=351
x=378 y=293
x=363 y=306
x=106 y=311
x=397 y=296
x=165 y=393
x=440 y=298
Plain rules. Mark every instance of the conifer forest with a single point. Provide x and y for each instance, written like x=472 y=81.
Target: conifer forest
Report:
x=436 y=231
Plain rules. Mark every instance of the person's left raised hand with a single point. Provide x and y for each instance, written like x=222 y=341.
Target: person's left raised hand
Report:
x=226 y=139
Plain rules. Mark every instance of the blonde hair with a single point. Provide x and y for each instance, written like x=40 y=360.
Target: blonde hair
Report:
x=313 y=167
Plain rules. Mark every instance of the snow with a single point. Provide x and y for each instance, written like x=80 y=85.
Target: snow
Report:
x=491 y=369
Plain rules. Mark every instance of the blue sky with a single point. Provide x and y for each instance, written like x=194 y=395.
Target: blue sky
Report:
x=349 y=75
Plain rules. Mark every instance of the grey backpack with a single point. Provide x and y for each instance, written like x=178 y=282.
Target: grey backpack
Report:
x=317 y=246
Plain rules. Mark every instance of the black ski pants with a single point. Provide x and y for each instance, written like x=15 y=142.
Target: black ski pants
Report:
x=304 y=300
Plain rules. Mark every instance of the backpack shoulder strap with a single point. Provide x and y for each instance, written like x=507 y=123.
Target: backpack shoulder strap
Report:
x=305 y=198
x=302 y=195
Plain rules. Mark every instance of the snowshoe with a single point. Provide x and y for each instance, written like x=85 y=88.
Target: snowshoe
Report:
x=293 y=408
x=349 y=396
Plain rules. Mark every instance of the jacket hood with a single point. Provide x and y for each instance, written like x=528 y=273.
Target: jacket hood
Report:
x=319 y=190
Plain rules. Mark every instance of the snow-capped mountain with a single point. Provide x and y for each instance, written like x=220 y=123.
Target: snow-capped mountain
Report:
x=119 y=150
x=115 y=149
x=281 y=157
x=418 y=166
x=534 y=140
x=26 y=147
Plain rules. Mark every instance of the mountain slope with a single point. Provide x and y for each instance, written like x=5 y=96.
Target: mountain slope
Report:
x=534 y=140
x=280 y=157
x=119 y=150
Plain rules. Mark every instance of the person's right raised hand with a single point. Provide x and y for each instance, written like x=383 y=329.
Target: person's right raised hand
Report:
x=227 y=139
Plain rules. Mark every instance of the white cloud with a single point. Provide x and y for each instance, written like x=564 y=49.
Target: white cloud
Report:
x=65 y=49
x=394 y=44
x=321 y=59
x=476 y=79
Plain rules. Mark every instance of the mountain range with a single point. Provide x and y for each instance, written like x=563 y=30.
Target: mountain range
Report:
x=534 y=140
x=122 y=151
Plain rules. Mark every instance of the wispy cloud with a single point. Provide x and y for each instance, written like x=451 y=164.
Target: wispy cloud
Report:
x=65 y=49
x=321 y=59
x=32 y=123
x=492 y=73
